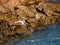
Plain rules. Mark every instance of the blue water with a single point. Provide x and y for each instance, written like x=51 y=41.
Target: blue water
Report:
x=58 y=1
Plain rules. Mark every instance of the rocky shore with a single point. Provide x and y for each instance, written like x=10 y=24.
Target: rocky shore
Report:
x=22 y=17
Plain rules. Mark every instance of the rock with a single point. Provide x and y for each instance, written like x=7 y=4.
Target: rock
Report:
x=22 y=31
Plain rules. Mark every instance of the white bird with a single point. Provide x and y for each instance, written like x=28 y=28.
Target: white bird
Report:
x=20 y=21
